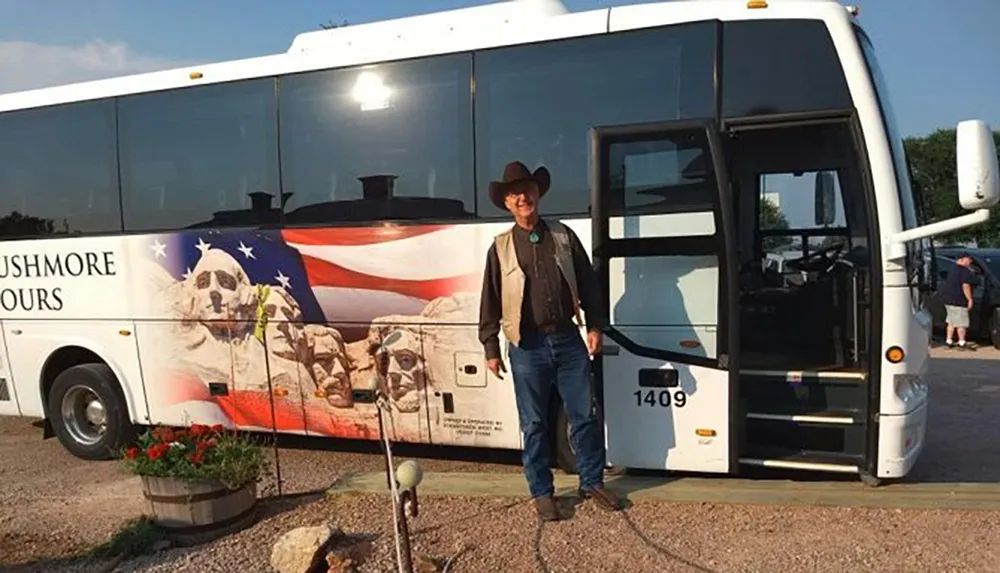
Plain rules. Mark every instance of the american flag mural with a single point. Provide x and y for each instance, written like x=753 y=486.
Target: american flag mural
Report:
x=321 y=289
x=341 y=275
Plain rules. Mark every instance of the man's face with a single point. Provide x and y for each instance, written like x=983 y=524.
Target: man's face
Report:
x=965 y=261
x=522 y=199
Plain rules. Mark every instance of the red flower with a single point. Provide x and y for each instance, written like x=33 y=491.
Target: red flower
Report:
x=198 y=430
x=203 y=446
x=197 y=458
x=217 y=428
x=164 y=434
x=156 y=452
x=132 y=453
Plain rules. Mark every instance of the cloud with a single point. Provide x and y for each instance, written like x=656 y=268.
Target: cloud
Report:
x=28 y=65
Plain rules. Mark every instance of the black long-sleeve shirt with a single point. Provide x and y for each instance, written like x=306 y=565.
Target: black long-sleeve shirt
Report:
x=548 y=302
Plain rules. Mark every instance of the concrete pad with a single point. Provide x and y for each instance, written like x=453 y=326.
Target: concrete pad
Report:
x=713 y=490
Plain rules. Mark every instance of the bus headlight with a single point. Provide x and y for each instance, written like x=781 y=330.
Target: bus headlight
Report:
x=908 y=384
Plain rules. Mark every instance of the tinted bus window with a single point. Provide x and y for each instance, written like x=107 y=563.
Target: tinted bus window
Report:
x=198 y=157
x=536 y=103
x=780 y=66
x=58 y=172
x=387 y=141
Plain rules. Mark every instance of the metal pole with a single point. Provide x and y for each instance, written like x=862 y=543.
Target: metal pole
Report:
x=403 y=559
x=274 y=417
x=404 y=534
x=385 y=446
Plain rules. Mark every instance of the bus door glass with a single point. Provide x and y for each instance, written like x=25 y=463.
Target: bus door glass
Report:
x=8 y=395
x=663 y=247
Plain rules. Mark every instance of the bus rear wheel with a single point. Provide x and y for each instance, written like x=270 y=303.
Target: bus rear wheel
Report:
x=88 y=412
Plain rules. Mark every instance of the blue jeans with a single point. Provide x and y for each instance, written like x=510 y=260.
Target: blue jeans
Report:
x=540 y=362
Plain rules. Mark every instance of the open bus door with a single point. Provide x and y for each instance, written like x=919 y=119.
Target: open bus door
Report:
x=8 y=395
x=664 y=248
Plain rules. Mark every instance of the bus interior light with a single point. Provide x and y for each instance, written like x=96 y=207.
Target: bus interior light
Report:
x=756 y=4
x=195 y=75
x=705 y=432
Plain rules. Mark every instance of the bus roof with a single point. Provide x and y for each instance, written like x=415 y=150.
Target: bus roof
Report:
x=504 y=23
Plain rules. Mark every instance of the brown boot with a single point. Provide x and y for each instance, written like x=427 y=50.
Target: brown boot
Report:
x=604 y=498
x=546 y=508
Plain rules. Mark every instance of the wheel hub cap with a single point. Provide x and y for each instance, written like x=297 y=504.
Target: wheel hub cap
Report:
x=84 y=415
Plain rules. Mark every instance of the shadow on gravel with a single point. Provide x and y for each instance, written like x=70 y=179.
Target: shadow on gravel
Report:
x=659 y=548
x=453 y=522
x=267 y=508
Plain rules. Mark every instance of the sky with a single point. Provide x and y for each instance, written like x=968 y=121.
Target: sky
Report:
x=939 y=57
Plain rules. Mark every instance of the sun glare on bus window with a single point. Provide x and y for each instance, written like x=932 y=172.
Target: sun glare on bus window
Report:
x=370 y=92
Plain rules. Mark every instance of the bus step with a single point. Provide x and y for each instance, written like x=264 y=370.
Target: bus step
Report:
x=809 y=461
x=845 y=418
x=835 y=433
x=805 y=376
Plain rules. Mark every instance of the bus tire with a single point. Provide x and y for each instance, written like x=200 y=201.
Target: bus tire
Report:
x=870 y=480
x=81 y=398
x=565 y=458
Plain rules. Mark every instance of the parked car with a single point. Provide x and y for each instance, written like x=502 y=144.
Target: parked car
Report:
x=984 y=318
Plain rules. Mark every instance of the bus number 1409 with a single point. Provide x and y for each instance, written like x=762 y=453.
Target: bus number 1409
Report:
x=662 y=398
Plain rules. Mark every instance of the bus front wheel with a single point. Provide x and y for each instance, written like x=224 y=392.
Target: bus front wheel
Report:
x=88 y=412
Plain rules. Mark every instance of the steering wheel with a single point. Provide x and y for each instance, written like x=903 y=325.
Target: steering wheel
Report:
x=822 y=259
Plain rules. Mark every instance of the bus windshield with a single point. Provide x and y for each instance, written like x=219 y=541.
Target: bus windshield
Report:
x=898 y=153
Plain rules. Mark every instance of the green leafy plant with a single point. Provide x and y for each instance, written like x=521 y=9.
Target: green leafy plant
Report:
x=199 y=452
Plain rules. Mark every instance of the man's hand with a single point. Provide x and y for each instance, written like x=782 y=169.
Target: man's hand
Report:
x=496 y=367
x=593 y=341
x=969 y=305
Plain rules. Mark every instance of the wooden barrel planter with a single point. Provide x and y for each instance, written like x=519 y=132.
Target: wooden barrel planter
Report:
x=198 y=510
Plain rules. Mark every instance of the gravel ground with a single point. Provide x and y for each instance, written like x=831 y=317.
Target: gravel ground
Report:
x=53 y=506
x=503 y=535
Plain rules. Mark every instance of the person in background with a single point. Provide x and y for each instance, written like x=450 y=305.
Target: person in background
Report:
x=537 y=277
x=957 y=297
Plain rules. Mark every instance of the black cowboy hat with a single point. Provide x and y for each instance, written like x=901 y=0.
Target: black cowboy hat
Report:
x=516 y=172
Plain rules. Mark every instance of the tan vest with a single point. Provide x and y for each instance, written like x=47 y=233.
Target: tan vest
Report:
x=512 y=281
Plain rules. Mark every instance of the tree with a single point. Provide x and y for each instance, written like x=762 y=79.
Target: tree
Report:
x=932 y=162
x=772 y=219
x=330 y=25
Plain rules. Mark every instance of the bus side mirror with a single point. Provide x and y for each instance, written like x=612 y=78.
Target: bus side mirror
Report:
x=976 y=158
x=824 y=200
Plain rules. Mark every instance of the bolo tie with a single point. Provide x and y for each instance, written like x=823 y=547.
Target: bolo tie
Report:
x=533 y=237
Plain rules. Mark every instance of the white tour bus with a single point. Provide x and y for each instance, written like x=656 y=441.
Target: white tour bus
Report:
x=151 y=223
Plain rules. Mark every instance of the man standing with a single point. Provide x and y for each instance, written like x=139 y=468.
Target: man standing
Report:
x=957 y=297
x=537 y=277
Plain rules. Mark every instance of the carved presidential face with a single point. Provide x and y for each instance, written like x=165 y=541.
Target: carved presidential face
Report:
x=329 y=364
x=285 y=331
x=219 y=289
x=406 y=372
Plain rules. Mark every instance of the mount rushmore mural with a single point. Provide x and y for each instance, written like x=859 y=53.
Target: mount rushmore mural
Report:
x=306 y=318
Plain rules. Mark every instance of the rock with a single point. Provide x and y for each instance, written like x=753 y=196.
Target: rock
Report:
x=424 y=564
x=339 y=562
x=301 y=550
x=351 y=554
x=161 y=545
